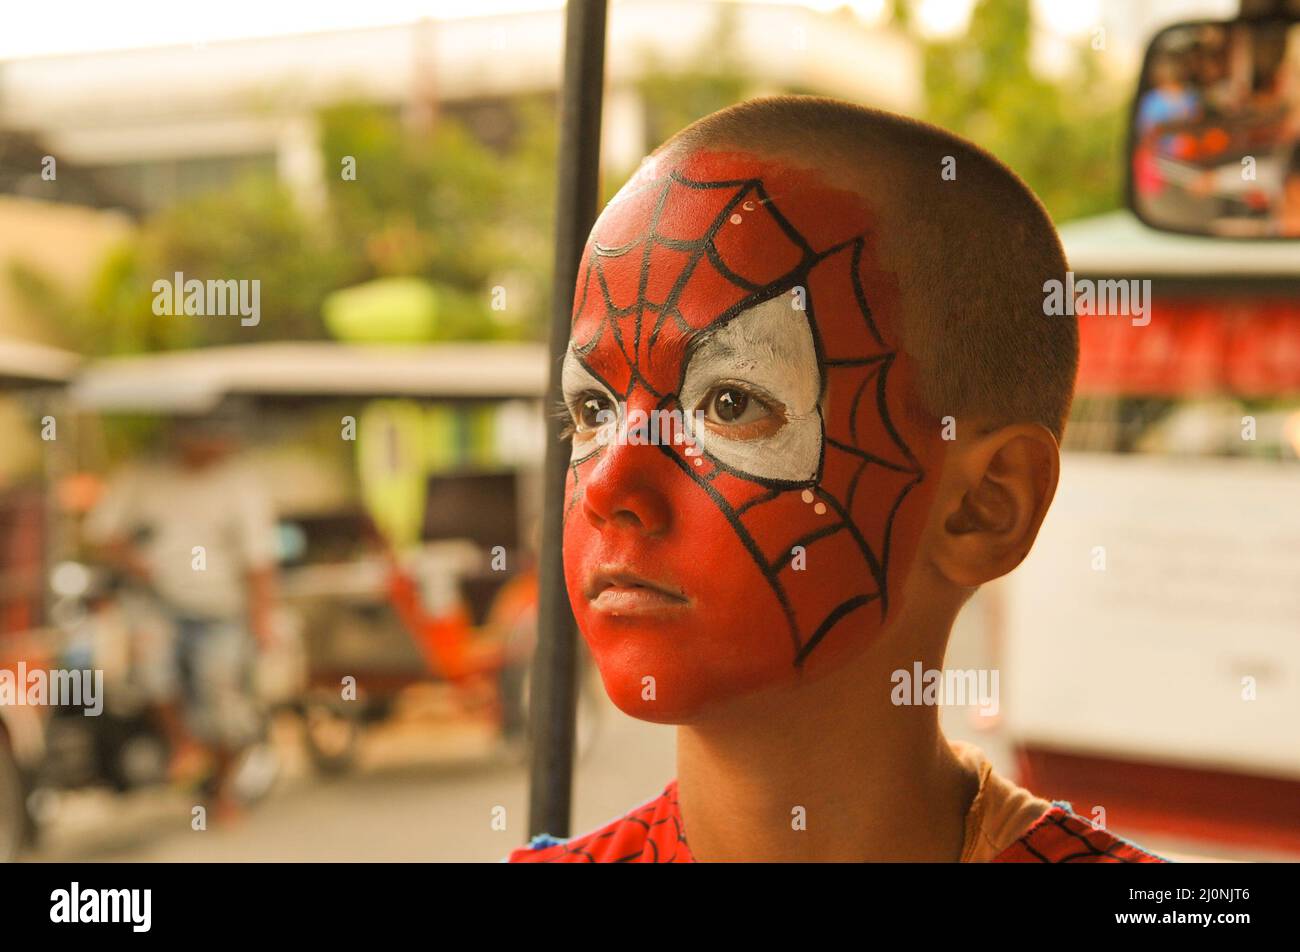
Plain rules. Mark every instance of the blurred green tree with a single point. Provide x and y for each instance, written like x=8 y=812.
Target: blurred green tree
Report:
x=1063 y=136
x=474 y=219
x=441 y=205
x=713 y=78
x=435 y=204
x=252 y=230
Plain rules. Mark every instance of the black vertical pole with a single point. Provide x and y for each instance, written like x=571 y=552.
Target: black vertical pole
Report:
x=555 y=668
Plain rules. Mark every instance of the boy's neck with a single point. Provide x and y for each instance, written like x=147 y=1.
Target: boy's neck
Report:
x=875 y=781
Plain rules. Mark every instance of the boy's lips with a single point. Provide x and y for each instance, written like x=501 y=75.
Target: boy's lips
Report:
x=617 y=590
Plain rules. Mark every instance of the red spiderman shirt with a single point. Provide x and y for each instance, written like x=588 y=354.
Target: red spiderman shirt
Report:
x=654 y=833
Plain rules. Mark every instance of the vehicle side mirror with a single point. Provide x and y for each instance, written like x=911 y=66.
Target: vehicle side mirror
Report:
x=1214 y=139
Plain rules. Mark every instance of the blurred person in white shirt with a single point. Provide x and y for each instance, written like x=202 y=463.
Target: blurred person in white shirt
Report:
x=197 y=529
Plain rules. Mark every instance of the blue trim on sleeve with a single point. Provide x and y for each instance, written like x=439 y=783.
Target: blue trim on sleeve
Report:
x=544 y=841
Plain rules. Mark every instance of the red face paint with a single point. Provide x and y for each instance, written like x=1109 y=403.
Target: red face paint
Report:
x=765 y=551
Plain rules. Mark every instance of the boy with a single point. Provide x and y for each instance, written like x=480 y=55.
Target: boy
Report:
x=816 y=403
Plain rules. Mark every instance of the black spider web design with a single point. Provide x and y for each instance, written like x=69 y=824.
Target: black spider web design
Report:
x=1079 y=830
x=613 y=319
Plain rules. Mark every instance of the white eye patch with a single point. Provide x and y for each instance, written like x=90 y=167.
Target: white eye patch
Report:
x=575 y=380
x=769 y=347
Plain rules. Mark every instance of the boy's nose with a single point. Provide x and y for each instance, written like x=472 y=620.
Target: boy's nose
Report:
x=629 y=488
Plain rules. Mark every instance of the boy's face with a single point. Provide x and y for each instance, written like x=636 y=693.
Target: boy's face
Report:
x=747 y=489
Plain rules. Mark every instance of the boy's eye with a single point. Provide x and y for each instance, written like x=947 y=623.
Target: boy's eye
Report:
x=587 y=410
x=743 y=414
x=732 y=405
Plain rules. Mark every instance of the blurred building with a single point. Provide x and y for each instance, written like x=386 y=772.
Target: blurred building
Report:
x=63 y=241
x=154 y=125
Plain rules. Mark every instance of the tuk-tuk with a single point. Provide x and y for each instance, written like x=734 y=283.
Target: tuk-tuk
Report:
x=34 y=370
x=405 y=541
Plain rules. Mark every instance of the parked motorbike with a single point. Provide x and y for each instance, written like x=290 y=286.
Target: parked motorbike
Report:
x=115 y=627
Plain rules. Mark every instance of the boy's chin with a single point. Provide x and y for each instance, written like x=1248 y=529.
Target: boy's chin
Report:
x=684 y=703
x=706 y=691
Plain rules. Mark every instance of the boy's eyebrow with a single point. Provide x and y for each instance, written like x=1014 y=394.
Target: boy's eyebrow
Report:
x=698 y=340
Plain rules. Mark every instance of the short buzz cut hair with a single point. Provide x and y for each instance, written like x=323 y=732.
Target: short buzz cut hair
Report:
x=973 y=250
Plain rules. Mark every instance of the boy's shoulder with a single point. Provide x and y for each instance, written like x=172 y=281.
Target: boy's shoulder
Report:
x=1062 y=836
x=652 y=833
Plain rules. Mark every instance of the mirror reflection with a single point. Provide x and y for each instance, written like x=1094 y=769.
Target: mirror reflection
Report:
x=1216 y=130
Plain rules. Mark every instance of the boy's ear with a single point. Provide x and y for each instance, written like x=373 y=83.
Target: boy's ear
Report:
x=992 y=498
